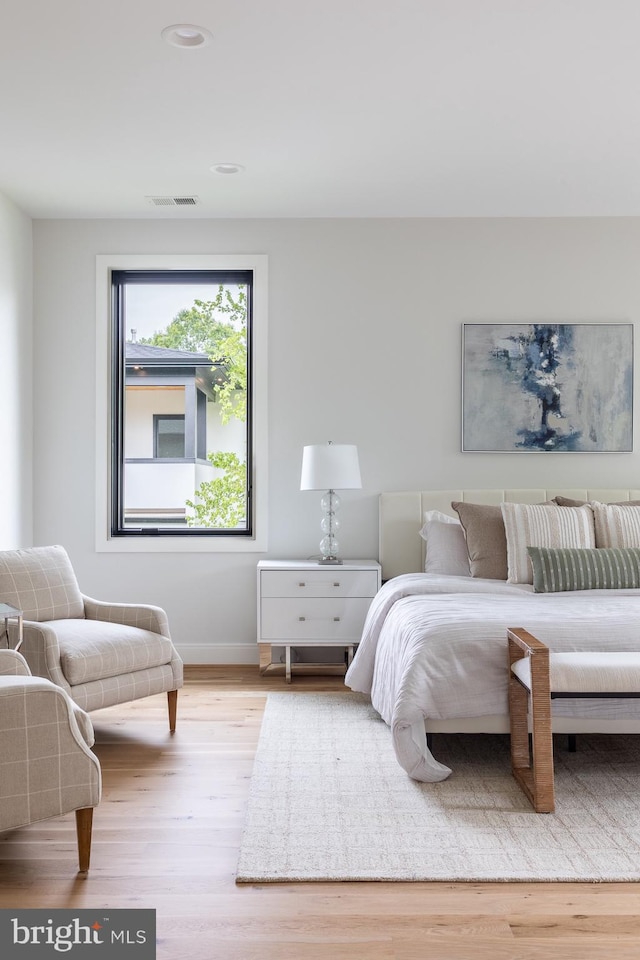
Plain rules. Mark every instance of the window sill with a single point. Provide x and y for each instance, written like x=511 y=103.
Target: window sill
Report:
x=157 y=543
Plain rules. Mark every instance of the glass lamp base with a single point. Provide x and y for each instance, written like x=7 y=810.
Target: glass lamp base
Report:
x=329 y=546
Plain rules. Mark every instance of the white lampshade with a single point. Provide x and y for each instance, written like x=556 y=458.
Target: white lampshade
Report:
x=330 y=466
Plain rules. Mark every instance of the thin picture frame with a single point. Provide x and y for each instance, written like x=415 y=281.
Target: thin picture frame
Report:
x=547 y=387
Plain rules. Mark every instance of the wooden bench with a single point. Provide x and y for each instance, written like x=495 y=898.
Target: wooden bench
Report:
x=536 y=677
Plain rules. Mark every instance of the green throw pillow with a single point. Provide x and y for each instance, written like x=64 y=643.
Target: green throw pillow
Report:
x=569 y=568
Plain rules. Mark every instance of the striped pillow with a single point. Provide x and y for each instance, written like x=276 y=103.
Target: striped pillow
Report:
x=542 y=525
x=556 y=569
x=617 y=524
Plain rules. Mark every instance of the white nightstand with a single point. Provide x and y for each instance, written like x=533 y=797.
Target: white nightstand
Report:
x=306 y=604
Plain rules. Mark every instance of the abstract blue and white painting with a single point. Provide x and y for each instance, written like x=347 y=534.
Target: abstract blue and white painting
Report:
x=547 y=387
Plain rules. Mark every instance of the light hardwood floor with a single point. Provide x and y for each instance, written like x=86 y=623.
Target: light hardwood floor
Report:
x=166 y=836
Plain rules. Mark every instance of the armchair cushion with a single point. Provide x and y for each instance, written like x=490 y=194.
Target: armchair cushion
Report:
x=40 y=581
x=96 y=649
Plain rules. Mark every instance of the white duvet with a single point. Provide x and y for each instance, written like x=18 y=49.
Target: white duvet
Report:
x=436 y=647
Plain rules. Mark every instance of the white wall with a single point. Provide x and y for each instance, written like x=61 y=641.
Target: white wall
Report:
x=140 y=406
x=229 y=437
x=16 y=517
x=364 y=347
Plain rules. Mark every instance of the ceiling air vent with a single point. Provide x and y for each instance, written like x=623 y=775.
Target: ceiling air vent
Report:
x=173 y=201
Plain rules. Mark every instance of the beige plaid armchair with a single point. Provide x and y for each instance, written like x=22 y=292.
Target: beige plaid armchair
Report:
x=47 y=768
x=99 y=653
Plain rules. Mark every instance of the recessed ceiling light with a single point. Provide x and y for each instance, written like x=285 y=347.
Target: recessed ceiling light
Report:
x=227 y=168
x=186 y=35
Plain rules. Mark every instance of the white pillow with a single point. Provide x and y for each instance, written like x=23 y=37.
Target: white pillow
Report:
x=616 y=524
x=446 y=551
x=542 y=525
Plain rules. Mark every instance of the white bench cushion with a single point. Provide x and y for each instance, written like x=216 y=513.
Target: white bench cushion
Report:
x=587 y=672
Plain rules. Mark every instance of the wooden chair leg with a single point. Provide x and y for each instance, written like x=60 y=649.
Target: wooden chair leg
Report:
x=172 y=702
x=84 y=824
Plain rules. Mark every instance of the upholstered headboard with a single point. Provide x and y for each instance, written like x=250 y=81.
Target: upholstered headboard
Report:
x=401 y=517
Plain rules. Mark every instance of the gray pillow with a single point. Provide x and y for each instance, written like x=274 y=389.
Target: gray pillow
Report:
x=486 y=539
x=556 y=569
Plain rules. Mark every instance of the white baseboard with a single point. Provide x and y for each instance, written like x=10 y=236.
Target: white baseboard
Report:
x=218 y=652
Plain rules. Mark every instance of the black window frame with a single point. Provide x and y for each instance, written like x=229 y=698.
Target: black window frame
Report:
x=119 y=280
x=162 y=417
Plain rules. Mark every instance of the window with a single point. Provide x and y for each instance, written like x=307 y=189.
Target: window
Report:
x=168 y=436
x=185 y=369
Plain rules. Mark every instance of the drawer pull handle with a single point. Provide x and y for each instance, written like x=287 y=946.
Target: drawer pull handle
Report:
x=336 y=619
x=302 y=618
x=337 y=584
x=302 y=584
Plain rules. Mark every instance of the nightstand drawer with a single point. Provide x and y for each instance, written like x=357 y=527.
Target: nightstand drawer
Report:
x=327 y=620
x=318 y=583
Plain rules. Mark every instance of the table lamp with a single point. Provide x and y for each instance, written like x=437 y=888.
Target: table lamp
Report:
x=330 y=466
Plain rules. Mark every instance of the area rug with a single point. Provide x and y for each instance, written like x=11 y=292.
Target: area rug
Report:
x=329 y=801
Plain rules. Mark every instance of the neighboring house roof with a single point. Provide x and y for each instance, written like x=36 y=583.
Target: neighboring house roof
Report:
x=135 y=352
x=142 y=358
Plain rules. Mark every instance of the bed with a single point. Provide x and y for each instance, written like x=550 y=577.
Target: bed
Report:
x=433 y=652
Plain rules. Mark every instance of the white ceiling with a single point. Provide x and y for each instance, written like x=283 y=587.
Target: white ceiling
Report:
x=336 y=108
